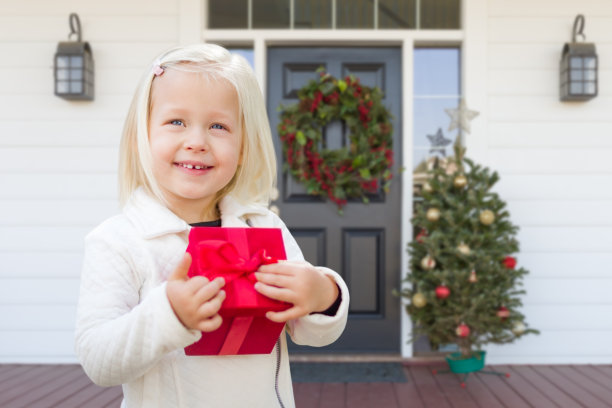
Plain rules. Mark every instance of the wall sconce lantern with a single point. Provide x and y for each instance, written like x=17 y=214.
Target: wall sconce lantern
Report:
x=578 y=67
x=74 y=66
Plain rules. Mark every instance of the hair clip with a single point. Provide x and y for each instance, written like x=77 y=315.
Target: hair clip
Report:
x=157 y=69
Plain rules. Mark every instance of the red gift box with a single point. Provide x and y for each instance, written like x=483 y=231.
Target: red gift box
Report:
x=235 y=254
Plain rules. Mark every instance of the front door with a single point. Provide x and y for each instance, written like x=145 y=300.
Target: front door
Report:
x=364 y=244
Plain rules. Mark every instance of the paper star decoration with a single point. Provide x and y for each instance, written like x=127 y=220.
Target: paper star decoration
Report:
x=461 y=117
x=438 y=142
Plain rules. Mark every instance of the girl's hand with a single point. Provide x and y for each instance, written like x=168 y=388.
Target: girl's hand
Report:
x=196 y=301
x=307 y=288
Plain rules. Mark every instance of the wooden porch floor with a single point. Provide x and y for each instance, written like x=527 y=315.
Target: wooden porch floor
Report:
x=541 y=386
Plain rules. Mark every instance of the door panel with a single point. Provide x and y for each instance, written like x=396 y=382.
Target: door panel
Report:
x=364 y=244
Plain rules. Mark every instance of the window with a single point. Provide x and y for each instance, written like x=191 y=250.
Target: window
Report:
x=334 y=14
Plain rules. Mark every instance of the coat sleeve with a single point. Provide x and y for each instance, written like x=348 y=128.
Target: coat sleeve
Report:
x=119 y=336
x=316 y=329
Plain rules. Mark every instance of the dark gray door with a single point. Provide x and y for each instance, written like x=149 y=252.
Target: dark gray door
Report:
x=363 y=245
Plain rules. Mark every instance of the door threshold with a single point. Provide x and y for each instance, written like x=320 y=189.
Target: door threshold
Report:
x=362 y=358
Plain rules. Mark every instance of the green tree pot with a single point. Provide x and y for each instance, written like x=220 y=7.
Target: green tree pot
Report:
x=460 y=364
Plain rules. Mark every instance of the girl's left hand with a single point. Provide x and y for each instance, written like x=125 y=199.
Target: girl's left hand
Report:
x=307 y=288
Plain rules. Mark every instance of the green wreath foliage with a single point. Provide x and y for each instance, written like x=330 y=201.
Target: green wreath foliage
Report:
x=351 y=172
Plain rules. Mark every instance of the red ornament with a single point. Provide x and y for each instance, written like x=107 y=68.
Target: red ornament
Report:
x=462 y=330
x=503 y=313
x=421 y=235
x=509 y=262
x=442 y=292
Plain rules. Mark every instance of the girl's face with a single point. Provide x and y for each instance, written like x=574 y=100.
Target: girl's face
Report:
x=195 y=140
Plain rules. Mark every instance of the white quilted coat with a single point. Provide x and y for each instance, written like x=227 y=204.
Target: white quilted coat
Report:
x=128 y=334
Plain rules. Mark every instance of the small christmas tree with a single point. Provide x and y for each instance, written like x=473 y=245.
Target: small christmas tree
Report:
x=463 y=285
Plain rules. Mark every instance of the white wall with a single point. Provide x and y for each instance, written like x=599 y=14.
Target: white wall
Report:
x=556 y=175
x=58 y=159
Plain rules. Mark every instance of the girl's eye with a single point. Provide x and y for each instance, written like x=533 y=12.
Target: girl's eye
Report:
x=218 y=126
x=177 y=122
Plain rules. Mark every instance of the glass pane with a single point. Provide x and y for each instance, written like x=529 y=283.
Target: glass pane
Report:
x=440 y=14
x=590 y=88
x=576 y=75
x=575 y=62
x=62 y=87
x=436 y=71
x=271 y=14
x=227 y=14
x=62 y=74
x=76 y=87
x=396 y=13
x=590 y=62
x=62 y=61
x=76 y=74
x=590 y=74
x=76 y=61
x=247 y=53
x=429 y=117
x=575 y=88
x=355 y=14
x=312 y=14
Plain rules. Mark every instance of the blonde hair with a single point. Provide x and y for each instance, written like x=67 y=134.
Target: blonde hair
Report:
x=255 y=176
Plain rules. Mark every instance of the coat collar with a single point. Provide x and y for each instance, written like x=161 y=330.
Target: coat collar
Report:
x=152 y=219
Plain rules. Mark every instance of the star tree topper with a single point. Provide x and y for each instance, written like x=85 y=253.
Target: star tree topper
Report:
x=461 y=117
x=438 y=142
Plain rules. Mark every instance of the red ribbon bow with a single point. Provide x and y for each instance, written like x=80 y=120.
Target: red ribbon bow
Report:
x=221 y=258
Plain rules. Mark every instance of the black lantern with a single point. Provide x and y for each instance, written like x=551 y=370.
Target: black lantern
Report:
x=578 y=81
x=74 y=66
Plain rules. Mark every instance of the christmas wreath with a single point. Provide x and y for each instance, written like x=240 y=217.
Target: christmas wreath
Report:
x=351 y=172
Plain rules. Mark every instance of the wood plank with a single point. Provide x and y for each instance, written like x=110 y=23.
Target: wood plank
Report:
x=584 y=397
x=15 y=371
x=333 y=395
x=29 y=386
x=107 y=396
x=28 y=374
x=307 y=395
x=81 y=397
x=450 y=385
x=407 y=393
x=526 y=389
x=363 y=395
x=41 y=391
x=499 y=387
x=61 y=394
x=606 y=370
x=431 y=395
x=594 y=374
x=482 y=395
x=573 y=374
x=546 y=387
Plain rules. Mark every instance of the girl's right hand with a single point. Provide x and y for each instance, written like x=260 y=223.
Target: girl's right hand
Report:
x=196 y=301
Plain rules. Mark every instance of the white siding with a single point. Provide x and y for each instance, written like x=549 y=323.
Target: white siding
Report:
x=556 y=175
x=58 y=159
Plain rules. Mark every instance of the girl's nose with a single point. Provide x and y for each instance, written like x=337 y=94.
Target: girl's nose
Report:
x=197 y=140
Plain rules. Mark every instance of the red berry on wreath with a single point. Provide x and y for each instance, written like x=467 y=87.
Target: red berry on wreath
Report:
x=442 y=292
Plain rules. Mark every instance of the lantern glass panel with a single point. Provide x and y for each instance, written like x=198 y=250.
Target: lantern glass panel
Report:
x=76 y=87
x=589 y=88
x=76 y=74
x=575 y=88
x=590 y=63
x=63 y=74
x=576 y=75
x=589 y=75
x=62 y=87
x=575 y=62
x=76 y=61
x=62 y=61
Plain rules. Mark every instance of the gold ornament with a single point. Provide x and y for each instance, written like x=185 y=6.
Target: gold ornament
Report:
x=433 y=214
x=427 y=187
x=464 y=249
x=460 y=181
x=487 y=217
x=518 y=328
x=428 y=263
x=473 y=278
x=419 y=300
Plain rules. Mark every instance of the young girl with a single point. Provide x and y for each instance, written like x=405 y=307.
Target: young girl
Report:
x=196 y=151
